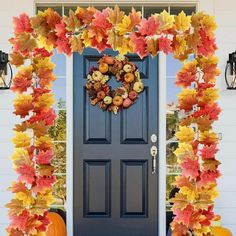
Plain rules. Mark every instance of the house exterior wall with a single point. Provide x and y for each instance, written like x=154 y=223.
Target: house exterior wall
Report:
x=224 y=10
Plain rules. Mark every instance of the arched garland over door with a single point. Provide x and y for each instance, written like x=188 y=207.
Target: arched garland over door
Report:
x=36 y=37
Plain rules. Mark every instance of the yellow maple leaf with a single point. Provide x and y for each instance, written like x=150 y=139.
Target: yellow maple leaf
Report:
x=185 y=134
x=180 y=201
x=190 y=193
x=43 y=42
x=202 y=20
x=210 y=95
x=76 y=44
x=125 y=26
x=44 y=142
x=190 y=66
x=21 y=139
x=208 y=60
x=23 y=104
x=182 y=22
x=115 y=15
x=180 y=47
x=183 y=150
x=208 y=137
x=20 y=155
x=204 y=230
x=209 y=22
x=211 y=191
x=47 y=197
x=166 y=20
x=86 y=39
x=187 y=93
x=125 y=47
x=26 y=197
x=45 y=63
x=45 y=101
x=41 y=234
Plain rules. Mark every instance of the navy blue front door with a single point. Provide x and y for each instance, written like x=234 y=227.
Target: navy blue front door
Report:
x=115 y=192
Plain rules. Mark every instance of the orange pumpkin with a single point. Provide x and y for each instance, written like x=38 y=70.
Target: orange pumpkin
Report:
x=129 y=77
x=57 y=226
x=220 y=231
x=103 y=68
x=117 y=100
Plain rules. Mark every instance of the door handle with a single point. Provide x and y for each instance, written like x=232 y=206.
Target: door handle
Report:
x=153 y=152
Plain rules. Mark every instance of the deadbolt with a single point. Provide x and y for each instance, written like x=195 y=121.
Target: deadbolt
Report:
x=153 y=138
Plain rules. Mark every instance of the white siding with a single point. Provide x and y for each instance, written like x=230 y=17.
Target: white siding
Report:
x=224 y=10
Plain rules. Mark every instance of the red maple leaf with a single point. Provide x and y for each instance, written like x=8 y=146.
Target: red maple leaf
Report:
x=45 y=222
x=46 y=76
x=43 y=183
x=60 y=29
x=208 y=177
x=209 y=72
x=188 y=102
x=140 y=44
x=185 y=78
x=148 y=27
x=42 y=52
x=190 y=168
x=178 y=229
x=22 y=24
x=209 y=214
x=210 y=110
x=101 y=19
x=26 y=173
x=100 y=46
x=44 y=157
x=165 y=45
x=208 y=152
x=203 y=86
x=20 y=221
x=48 y=117
x=21 y=83
x=63 y=45
x=38 y=92
x=208 y=45
x=183 y=216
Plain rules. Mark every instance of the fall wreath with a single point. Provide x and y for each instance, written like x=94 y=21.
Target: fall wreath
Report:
x=102 y=94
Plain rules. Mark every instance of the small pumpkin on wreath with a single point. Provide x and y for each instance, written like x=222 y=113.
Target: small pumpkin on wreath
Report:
x=101 y=94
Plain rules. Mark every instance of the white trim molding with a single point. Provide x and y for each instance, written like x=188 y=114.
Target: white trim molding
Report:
x=162 y=144
x=178 y=3
x=69 y=145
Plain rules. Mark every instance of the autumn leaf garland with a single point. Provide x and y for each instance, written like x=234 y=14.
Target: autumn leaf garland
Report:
x=193 y=205
x=182 y=35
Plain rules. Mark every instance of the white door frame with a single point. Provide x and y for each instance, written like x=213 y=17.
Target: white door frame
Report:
x=162 y=145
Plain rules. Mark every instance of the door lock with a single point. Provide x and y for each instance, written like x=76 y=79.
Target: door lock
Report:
x=153 y=138
x=153 y=152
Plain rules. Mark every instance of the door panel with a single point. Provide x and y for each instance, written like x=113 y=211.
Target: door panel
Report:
x=134 y=182
x=115 y=192
x=97 y=189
